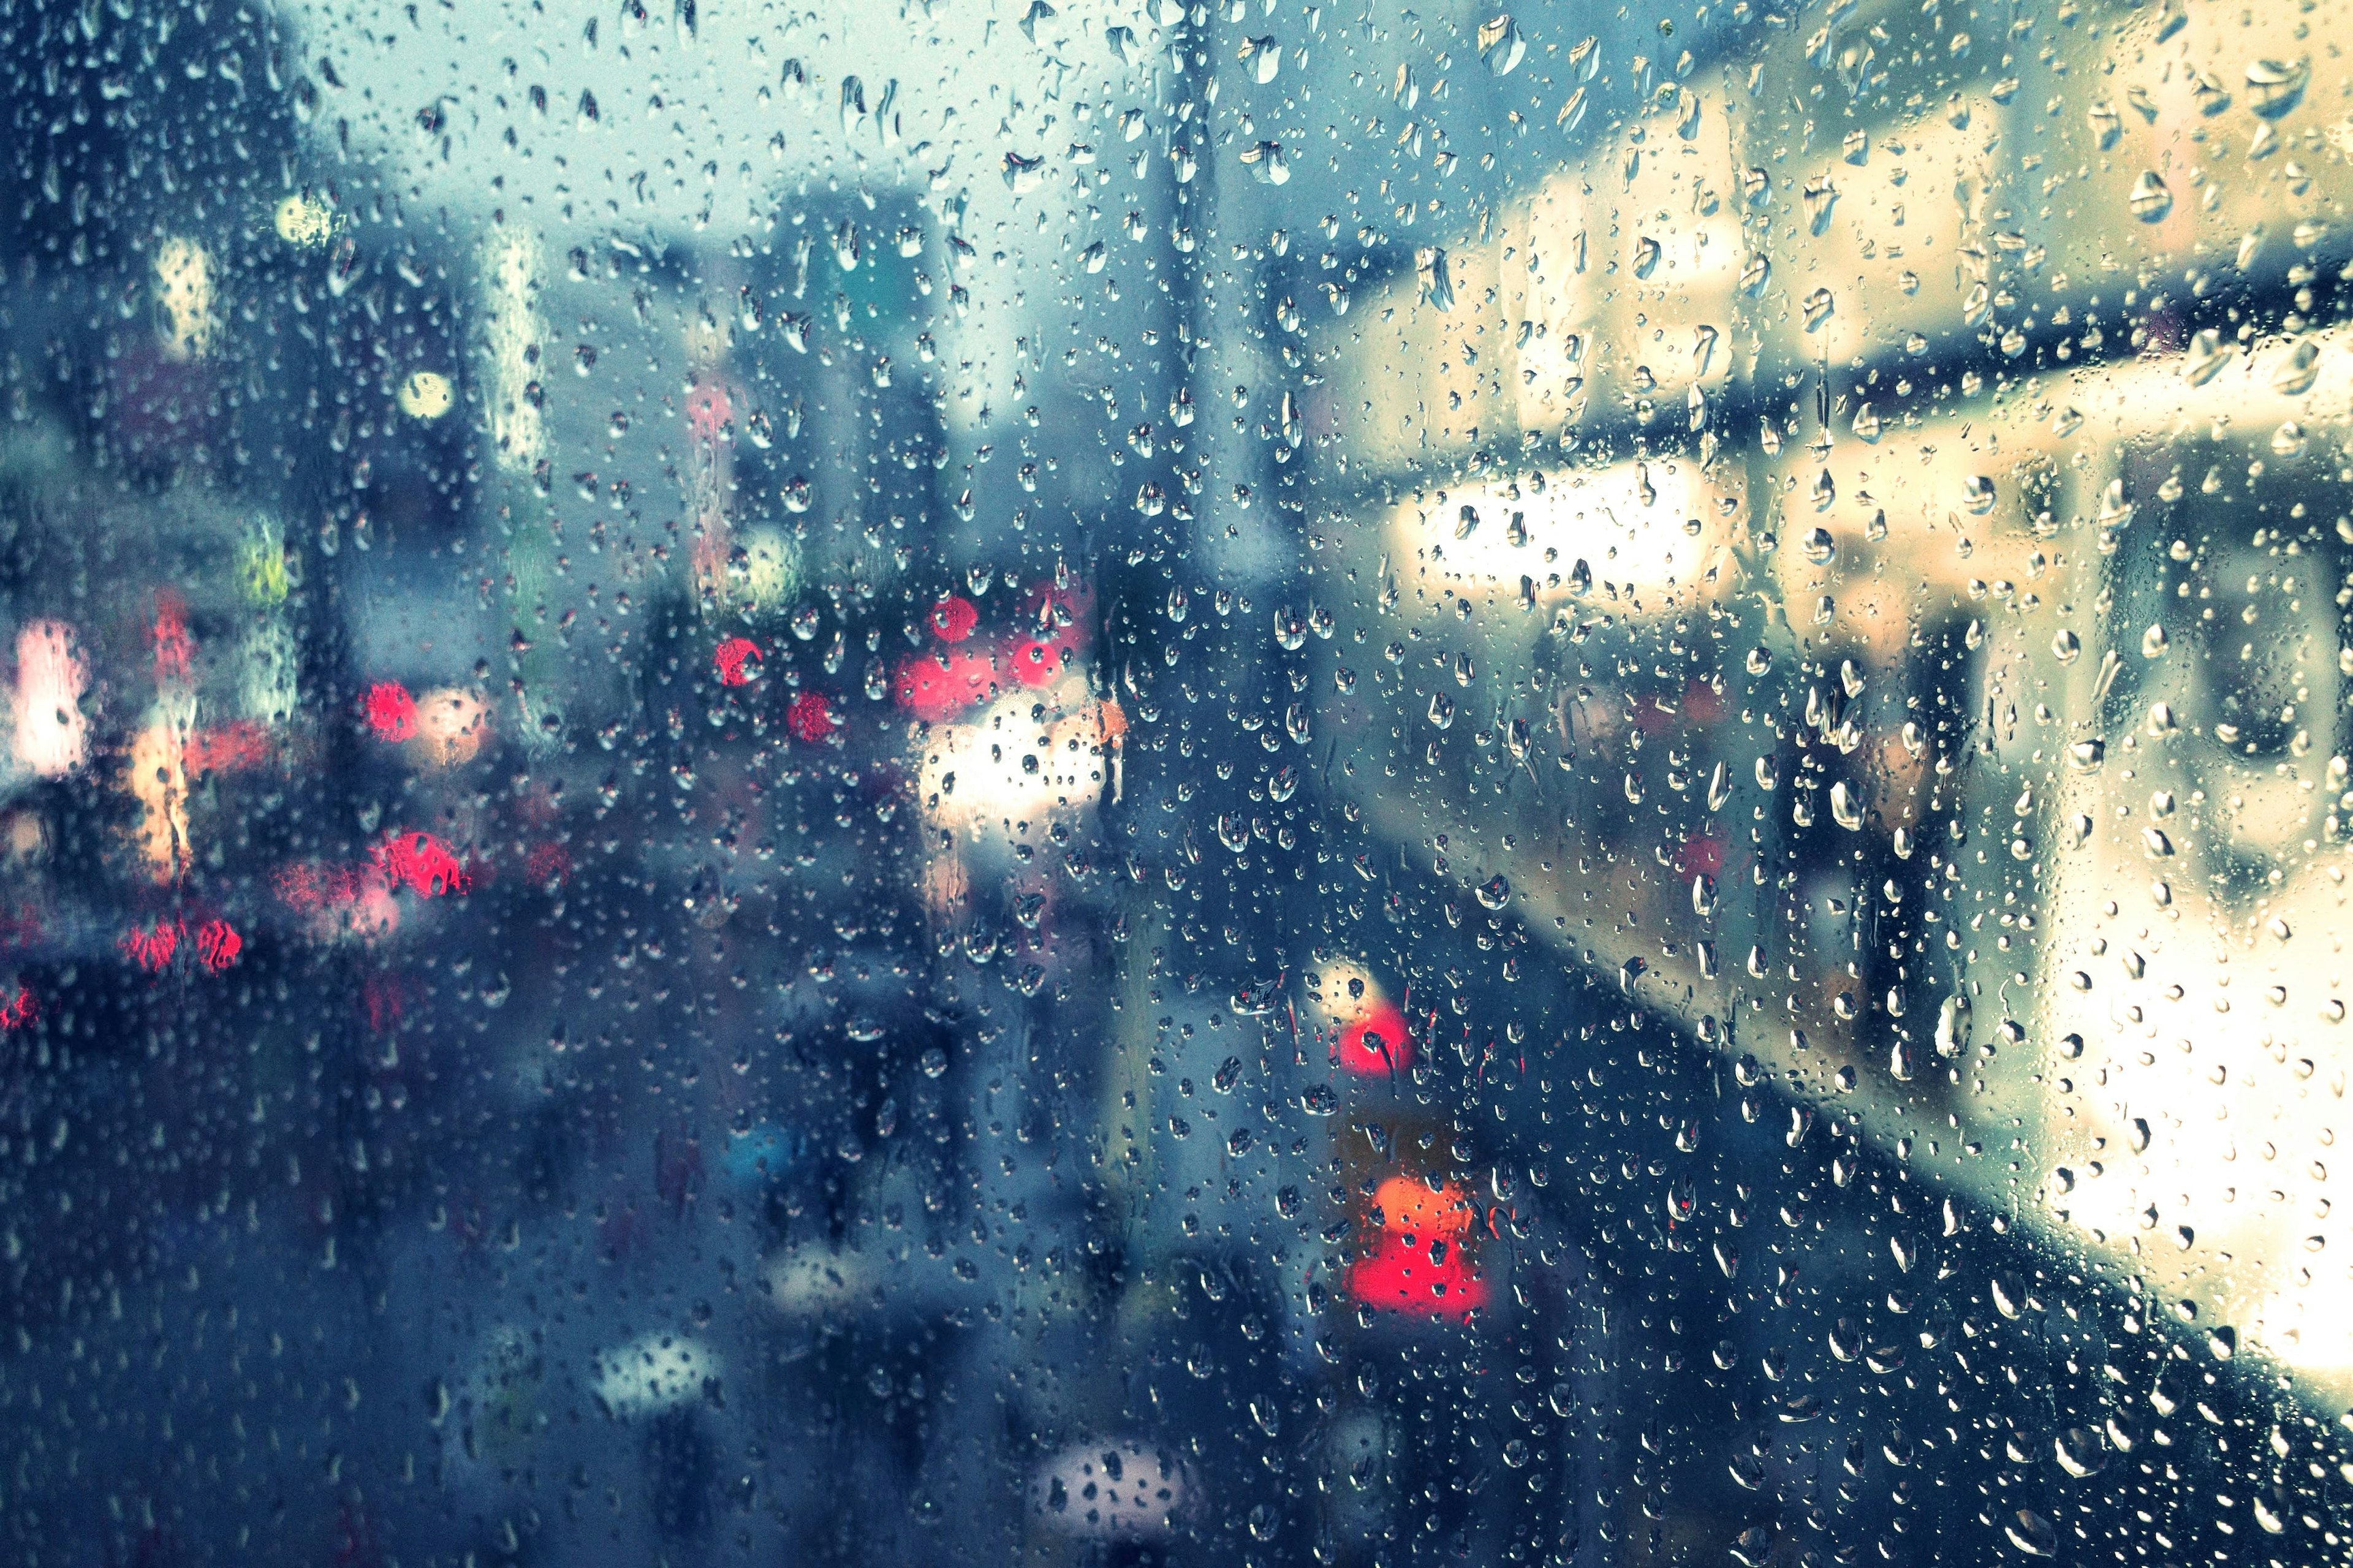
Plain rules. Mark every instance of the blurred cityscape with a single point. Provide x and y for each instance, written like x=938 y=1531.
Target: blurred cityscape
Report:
x=1174 y=784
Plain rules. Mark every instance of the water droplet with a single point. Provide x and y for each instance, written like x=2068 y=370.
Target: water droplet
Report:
x=2080 y=1452
x=2274 y=87
x=1953 y=1025
x=2116 y=512
x=2298 y=369
x=2031 y=1533
x=1267 y=162
x=1818 y=197
x=847 y=247
x=1266 y=56
x=1501 y=45
x=1681 y=1201
x=2150 y=200
x=1437 y=283
x=1022 y=174
x=1495 y=892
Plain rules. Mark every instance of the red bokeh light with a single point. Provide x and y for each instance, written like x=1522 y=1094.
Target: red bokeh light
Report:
x=175 y=650
x=217 y=944
x=1400 y=1274
x=953 y=619
x=423 y=863
x=930 y=691
x=1377 y=1044
x=1039 y=662
x=152 y=949
x=810 y=718
x=227 y=748
x=1701 y=855
x=737 y=660
x=391 y=711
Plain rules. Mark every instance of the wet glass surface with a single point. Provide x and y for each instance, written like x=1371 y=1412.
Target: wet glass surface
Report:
x=1174 y=784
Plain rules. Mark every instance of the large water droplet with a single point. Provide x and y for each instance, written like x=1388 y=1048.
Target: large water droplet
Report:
x=1267 y=162
x=1022 y=174
x=2298 y=369
x=1437 y=283
x=2031 y=1533
x=1818 y=197
x=1953 y=1025
x=2274 y=87
x=2080 y=1452
x=2205 y=357
x=1501 y=45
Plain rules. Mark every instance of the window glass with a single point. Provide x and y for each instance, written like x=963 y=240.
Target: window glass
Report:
x=1206 y=781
